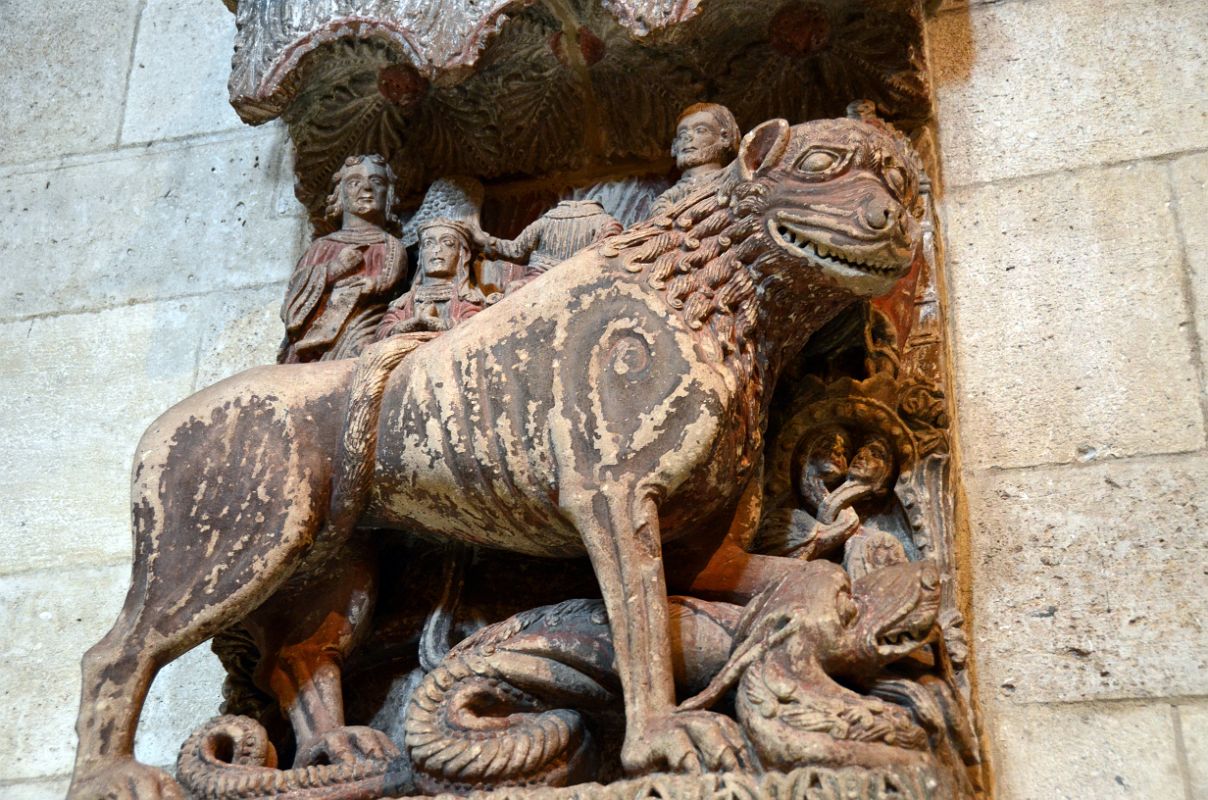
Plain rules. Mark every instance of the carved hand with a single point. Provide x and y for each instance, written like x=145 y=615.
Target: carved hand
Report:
x=349 y=259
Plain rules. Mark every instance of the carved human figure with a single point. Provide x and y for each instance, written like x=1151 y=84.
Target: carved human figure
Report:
x=338 y=292
x=706 y=140
x=443 y=293
x=552 y=238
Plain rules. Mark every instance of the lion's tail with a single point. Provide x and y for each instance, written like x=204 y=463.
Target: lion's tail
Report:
x=231 y=757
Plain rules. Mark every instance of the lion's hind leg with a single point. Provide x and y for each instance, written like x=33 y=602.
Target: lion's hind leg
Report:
x=224 y=509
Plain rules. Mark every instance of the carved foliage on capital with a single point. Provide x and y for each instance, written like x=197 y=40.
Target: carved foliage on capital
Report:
x=510 y=88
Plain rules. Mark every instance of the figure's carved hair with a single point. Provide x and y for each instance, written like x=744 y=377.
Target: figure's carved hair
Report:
x=724 y=119
x=333 y=209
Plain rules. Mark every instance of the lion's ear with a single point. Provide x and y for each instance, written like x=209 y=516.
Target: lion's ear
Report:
x=763 y=147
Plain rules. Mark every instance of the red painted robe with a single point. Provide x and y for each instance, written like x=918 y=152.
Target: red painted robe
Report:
x=332 y=310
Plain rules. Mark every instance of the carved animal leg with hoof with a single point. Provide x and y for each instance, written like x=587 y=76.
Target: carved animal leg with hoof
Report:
x=304 y=658
x=622 y=540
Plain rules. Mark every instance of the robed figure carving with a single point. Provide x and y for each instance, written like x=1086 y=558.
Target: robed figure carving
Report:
x=444 y=292
x=552 y=238
x=339 y=289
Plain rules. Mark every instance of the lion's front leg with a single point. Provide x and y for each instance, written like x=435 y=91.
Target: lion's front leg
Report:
x=622 y=539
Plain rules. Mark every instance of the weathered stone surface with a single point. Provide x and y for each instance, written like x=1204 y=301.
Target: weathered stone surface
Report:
x=58 y=55
x=76 y=392
x=50 y=618
x=53 y=789
x=1077 y=752
x=183 y=52
x=1069 y=320
x=1190 y=177
x=1193 y=720
x=1023 y=88
x=241 y=330
x=140 y=225
x=1086 y=580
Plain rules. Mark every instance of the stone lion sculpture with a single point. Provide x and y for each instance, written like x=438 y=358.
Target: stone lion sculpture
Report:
x=615 y=406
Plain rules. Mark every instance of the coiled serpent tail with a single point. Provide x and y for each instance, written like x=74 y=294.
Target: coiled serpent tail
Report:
x=477 y=721
x=231 y=757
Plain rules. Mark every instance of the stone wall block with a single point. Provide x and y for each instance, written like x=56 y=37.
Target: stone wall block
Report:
x=181 y=63
x=241 y=330
x=49 y=619
x=1070 y=320
x=1190 y=177
x=1087 y=751
x=1193 y=721
x=1024 y=88
x=53 y=789
x=144 y=225
x=64 y=65
x=76 y=393
x=1088 y=582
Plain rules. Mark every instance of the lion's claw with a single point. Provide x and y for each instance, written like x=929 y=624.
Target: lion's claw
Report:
x=685 y=741
x=343 y=745
x=127 y=780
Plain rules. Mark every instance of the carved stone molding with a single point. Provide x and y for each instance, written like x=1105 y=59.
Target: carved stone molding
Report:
x=505 y=89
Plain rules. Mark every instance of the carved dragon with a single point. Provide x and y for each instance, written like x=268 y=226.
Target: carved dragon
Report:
x=507 y=706
x=615 y=405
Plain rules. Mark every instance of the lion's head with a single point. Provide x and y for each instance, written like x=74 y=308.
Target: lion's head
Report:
x=836 y=197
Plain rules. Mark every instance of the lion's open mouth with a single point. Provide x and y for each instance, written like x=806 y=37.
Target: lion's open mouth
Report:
x=797 y=241
x=902 y=640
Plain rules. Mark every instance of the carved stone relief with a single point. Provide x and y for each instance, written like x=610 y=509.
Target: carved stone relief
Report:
x=636 y=485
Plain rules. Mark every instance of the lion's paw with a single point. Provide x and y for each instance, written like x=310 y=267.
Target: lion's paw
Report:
x=685 y=741
x=343 y=745
x=127 y=780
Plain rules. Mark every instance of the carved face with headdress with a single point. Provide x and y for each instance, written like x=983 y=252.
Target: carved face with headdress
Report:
x=444 y=249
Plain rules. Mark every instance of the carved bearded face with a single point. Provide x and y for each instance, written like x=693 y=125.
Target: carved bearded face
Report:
x=365 y=191
x=699 y=140
x=442 y=251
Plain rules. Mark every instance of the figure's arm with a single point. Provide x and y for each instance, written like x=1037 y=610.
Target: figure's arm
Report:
x=306 y=287
x=394 y=266
x=515 y=250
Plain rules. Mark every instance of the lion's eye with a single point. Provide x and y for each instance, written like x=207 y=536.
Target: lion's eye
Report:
x=819 y=161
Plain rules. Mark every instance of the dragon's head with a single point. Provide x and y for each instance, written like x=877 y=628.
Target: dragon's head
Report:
x=838 y=198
